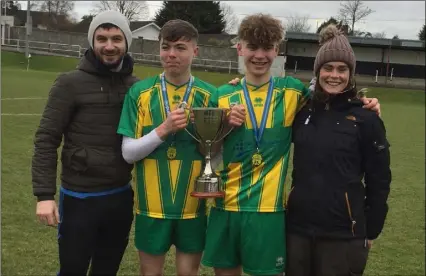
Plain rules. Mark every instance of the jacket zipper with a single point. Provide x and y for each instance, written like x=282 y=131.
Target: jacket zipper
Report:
x=350 y=214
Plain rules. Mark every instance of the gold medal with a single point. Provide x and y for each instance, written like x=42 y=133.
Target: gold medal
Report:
x=171 y=153
x=256 y=159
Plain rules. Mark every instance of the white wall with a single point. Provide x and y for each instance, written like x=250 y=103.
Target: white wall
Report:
x=149 y=33
x=405 y=57
x=9 y=20
x=2 y=33
x=310 y=50
x=277 y=68
x=368 y=54
x=302 y=49
x=6 y=22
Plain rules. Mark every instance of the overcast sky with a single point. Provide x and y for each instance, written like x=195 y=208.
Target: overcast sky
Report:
x=402 y=18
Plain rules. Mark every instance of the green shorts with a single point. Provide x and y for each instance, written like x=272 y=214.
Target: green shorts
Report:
x=255 y=241
x=155 y=236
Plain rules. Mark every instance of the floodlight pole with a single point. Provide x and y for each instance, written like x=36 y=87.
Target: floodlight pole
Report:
x=27 y=48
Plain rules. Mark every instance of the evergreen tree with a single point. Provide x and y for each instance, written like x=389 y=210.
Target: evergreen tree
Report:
x=422 y=33
x=206 y=16
x=343 y=27
x=324 y=24
x=11 y=7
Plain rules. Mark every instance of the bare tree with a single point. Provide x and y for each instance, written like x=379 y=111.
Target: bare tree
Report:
x=299 y=24
x=34 y=5
x=353 y=11
x=231 y=19
x=133 y=10
x=59 y=7
x=358 y=33
x=379 y=35
x=58 y=13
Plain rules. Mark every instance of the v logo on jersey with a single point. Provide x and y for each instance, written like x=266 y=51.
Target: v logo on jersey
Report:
x=257 y=171
x=258 y=102
x=174 y=176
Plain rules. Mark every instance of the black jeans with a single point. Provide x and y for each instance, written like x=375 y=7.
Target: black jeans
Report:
x=95 y=231
x=325 y=257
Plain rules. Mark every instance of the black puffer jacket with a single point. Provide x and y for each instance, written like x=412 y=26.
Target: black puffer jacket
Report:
x=84 y=107
x=341 y=176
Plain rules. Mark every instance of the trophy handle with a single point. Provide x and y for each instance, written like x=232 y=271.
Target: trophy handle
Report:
x=232 y=128
x=223 y=136
x=184 y=105
x=196 y=139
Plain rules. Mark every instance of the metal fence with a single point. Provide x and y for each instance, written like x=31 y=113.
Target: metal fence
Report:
x=225 y=66
x=198 y=63
x=49 y=47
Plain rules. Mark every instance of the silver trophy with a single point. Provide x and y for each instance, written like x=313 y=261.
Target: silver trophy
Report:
x=208 y=125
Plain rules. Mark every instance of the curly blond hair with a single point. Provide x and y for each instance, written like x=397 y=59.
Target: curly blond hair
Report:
x=261 y=29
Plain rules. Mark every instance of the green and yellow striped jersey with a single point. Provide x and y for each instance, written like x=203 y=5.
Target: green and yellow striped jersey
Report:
x=163 y=186
x=247 y=187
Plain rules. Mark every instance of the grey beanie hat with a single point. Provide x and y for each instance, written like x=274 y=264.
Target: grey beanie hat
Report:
x=112 y=17
x=335 y=46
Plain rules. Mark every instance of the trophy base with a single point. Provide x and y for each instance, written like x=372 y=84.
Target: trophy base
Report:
x=207 y=187
x=208 y=194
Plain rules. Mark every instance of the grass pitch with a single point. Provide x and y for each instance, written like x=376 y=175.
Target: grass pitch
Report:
x=29 y=248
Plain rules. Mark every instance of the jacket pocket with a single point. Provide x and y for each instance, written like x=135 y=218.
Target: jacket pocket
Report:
x=345 y=137
x=75 y=158
x=357 y=256
x=353 y=222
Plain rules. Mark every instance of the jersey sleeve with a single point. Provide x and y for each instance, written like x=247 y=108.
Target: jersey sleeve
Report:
x=129 y=115
x=304 y=96
x=226 y=95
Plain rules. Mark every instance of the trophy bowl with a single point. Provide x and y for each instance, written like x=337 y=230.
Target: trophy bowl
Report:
x=208 y=125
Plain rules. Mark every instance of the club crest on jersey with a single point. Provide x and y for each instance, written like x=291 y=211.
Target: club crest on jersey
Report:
x=176 y=99
x=258 y=102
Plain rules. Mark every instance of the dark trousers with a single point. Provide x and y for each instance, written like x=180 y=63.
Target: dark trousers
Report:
x=325 y=257
x=94 y=230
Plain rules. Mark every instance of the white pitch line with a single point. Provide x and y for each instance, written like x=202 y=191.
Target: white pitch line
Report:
x=31 y=98
x=20 y=114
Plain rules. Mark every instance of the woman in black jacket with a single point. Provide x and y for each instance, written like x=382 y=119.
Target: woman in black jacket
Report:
x=341 y=177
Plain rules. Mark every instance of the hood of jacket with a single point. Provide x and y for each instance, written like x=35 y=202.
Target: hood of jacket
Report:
x=92 y=65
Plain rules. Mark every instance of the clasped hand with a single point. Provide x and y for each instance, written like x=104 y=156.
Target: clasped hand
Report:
x=176 y=120
x=237 y=115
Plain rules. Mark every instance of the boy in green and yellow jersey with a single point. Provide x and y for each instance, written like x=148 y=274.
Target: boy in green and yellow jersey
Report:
x=166 y=158
x=246 y=228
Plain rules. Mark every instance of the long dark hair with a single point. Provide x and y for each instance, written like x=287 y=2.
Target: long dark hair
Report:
x=319 y=95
